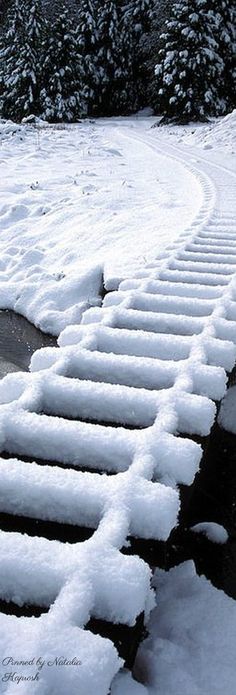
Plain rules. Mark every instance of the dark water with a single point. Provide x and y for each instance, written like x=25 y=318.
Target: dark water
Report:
x=18 y=340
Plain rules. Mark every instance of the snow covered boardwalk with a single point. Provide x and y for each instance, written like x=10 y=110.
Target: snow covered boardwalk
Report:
x=91 y=438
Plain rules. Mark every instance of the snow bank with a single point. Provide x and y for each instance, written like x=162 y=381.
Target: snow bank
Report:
x=217 y=137
x=9 y=129
x=191 y=647
x=51 y=302
x=221 y=134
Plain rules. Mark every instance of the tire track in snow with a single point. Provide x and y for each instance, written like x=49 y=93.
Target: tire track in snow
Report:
x=208 y=187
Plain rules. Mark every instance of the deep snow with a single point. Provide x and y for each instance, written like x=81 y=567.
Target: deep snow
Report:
x=191 y=646
x=74 y=203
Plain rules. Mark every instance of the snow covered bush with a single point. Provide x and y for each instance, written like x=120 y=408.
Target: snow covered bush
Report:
x=190 y=68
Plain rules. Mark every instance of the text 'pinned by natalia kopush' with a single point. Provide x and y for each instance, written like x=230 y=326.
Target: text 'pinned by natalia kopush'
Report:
x=17 y=670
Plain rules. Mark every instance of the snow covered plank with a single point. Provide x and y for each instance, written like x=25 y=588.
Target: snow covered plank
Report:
x=193 y=275
x=172 y=288
x=81 y=499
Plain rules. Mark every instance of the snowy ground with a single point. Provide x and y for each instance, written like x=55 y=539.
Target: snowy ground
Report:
x=191 y=647
x=73 y=202
x=105 y=198
x=93 y=198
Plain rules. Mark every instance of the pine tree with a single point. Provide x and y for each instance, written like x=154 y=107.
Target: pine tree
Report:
x=108 y=56
x=4 y=9
x=32 y=56
x=137 y=17
x=21 y=60
x=12 y=44
x=142 y=21
x=190 y=68
x=87 y=42
x=62 y=97
x=227 y=49
x=141 y=13
x=149 y=44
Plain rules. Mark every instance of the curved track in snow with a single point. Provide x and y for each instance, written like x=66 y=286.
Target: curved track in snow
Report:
x=91 y=445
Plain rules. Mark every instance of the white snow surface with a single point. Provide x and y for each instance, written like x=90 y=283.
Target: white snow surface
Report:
x=42 y=640
x=220 y=134
x=73 y=204
x=191 y=646
x=153 y=357
x=214 y=532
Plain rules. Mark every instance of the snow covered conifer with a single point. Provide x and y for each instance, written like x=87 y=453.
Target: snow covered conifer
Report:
x=117 y=53
x=109 y=55
x=62 y=97
x=189 y=69
x=135 y=22
x=142 y=18
x=141 y=11
x=12 y=44
x=227 y=48
x=32 y=55
x=149 y=44
x=87 y=42
x=2 y=64
x=21 y=60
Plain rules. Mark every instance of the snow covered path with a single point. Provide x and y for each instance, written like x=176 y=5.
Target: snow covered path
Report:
x=136 y=372
x=74 y=203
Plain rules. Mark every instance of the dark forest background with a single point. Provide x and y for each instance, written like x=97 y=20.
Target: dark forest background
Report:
x=64 y=61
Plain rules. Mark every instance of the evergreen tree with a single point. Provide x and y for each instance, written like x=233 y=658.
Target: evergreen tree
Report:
x=149 y=44
x=142 y=21
x=21 y=60
x=190 y=69
x=87 y=42
x=32 y=56
x=141 y=15
x=62 y=97
x=227 y=49
x=12 y=43
x=1 y=74
x=137 y=18
x=4 y=9
x=109 y=57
